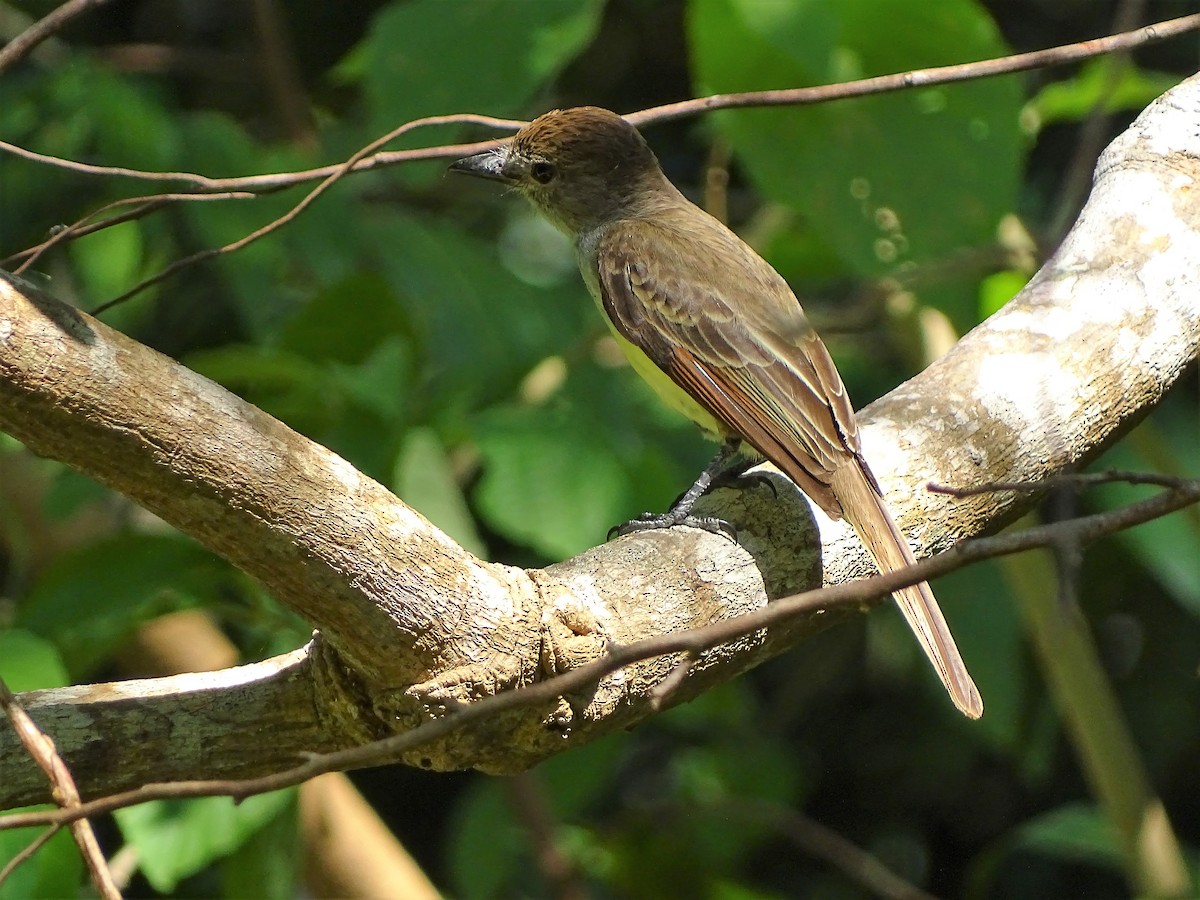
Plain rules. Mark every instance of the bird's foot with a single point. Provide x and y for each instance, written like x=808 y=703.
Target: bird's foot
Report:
x=744 y=479
x=676 y=516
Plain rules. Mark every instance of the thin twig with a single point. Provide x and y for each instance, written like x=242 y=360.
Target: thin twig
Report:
x=280 y=180
x=661 y=692
x=22 y=45
x=883 y=84
x=693 y=640
x=1061 y=55
x=362 y=161
x=528 y=799
x=143 y=206
x=279 y=222
x=1071 y=479
x=27 y=852
x=43 y=752
x=1091 y=140
x=823 y=843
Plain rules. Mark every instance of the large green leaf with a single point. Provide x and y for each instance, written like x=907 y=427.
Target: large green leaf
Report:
x=1108 y=84
x=54 y=871
x=177 y=838
x=28 y=662
x=550 y=481
x=431 y=57
x=90 y=599
x=1168 y=547
x=895 y=179
x=487 y=850
x=480 y=328
x=267 y=866
x=424 y=479
x=1075 y=831
x=346 y=321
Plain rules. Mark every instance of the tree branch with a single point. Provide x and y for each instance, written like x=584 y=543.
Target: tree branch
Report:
x=412 y=625
x=584 y=679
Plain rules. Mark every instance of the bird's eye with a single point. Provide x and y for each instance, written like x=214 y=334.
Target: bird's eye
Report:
x=543 y=172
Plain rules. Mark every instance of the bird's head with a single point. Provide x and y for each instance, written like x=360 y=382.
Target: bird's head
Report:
x=581 y=167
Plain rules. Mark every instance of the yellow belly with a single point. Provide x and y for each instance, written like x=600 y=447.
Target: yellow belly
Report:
x=668 y=391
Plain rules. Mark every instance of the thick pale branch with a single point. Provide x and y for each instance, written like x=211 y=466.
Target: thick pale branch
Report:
x=411 y=622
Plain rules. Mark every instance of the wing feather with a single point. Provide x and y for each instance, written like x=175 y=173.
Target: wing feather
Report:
x=736 y=341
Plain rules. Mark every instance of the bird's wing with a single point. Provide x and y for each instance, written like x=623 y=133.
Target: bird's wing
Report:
x=726 y=329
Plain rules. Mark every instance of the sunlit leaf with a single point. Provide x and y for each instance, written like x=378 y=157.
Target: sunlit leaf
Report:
x=177 y=838
x=425 y=480
x=548 y=481
x=92 y=598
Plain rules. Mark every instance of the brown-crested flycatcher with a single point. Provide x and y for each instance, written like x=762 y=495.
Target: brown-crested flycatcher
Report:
x=716 y=331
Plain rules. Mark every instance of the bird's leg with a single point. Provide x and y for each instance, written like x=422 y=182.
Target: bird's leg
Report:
x=727 y=466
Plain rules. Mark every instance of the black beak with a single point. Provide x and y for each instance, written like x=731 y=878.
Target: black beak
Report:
x=489 y=164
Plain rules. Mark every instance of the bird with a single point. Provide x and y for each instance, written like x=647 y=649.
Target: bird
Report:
x=718 y=334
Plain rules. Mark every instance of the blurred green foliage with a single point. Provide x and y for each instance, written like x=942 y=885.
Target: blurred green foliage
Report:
x=432 y=333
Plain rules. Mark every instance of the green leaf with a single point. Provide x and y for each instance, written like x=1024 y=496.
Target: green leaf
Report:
x=428 y=57
x=997 y=289
x=724 y=889
x=549 y=480
x=1075 y=832
x=582 y=779
x=480 y=328
x=89 y=600
x=283 y=383
x=267 y=864
x=977 y=601
x=894 y=179
x=177 y=838
x=54 y=871
x=487 y=850
x=29 y=663
x=424 y=479
x=1108 y=84
x=71 y=492
x=1170 y=546
x=109 y=261
x=346 y=321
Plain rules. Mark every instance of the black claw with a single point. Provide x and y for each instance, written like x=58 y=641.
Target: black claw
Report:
x=756 y=478
x=725 y=468
x=735 y=474
x=651 y=522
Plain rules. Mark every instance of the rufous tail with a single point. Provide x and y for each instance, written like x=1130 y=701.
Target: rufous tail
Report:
x=864 y=509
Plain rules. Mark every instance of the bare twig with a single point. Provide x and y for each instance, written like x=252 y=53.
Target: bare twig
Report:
x=26 y=853
x=694 y=640
x=662 y=692
x=528 y=798
x=22 y=45
x=882 y=84
x=281 y=180
x=43 y=752
x=1076 y=479
x=366 y=159
x=1061 y=55
x=1078 y=172
x=917 y=78
x=142 y=206
x=288 y=216
x=825 y=844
